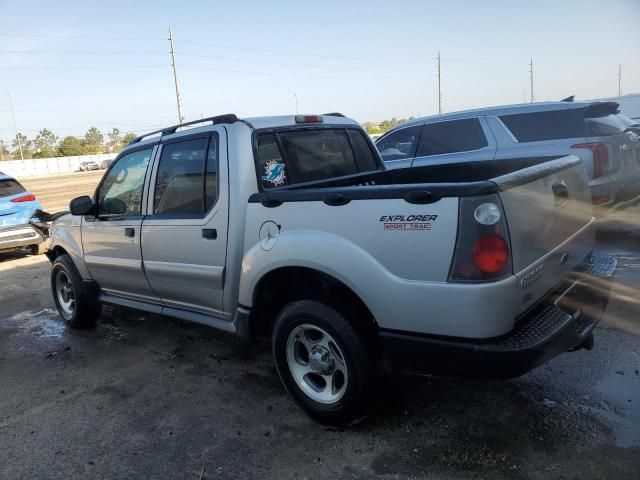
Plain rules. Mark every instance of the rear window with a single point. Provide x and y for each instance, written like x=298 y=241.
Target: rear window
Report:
x=306 y=155
x=552 y=125
x=9 y=187
x=451 y=137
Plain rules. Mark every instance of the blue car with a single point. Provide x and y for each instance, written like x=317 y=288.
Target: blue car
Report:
x=17 y=206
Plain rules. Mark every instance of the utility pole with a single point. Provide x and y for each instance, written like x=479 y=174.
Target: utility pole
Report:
x=175 y=77
x=296 y=97
x=15 y=127
x=620 y=80
x=439 y=87
x=531 y=78
x=1 y=151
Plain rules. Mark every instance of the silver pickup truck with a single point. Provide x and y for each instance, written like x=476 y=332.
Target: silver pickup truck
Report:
x=290 y=228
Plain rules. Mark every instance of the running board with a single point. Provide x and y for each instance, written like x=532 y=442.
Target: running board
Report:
x=195 y=317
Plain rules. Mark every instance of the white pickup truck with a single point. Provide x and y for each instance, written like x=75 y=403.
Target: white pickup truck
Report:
x=290 y=228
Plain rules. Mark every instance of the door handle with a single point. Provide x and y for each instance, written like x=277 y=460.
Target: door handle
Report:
x=129 y=232
x=209 y=233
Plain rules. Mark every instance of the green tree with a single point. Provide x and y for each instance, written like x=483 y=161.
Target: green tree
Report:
x=92 y=142
x=45 y=144
x=128 y=138
x=115 y=140
x=26 y=146
x=70 y=146
x=371 y=127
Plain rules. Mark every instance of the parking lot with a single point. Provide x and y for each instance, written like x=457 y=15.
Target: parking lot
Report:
x=143 y=396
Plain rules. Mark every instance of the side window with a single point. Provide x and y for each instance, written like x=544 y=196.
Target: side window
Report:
x=451 y=137
x=400 y=144
x=551 y=125
x=179 y=183
x=121 y=190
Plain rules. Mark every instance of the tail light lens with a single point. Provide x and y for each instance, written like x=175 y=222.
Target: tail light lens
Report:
x=491 y=254
x=29 y=197
x=600 y=157
x=482 y=248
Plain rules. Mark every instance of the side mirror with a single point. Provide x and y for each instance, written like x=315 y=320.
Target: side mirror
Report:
x=81 y=205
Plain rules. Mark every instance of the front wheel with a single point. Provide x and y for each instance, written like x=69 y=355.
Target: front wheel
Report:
x=328 y=368
x=76 y=305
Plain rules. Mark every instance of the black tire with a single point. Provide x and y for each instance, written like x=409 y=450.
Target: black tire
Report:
x=39 y=249
x=359 y=355
x=85 y=309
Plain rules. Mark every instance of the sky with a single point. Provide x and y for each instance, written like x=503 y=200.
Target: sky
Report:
x=74 y=64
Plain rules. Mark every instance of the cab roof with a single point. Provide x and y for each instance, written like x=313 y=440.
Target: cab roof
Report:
x=252 y=122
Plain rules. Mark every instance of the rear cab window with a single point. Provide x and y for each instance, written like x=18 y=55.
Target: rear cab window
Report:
x=302 y=155
x=10 y=187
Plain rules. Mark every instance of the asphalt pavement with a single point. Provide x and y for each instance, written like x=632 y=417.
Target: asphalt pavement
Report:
x=142 y=396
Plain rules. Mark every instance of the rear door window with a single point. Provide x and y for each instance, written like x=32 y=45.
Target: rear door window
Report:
x=399 y=145
x=306 y=155
x=550 y=125
x=451 y=137
x=187 y=179
x=10 y=187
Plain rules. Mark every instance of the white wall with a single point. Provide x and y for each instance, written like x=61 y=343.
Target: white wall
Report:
x=41 y=167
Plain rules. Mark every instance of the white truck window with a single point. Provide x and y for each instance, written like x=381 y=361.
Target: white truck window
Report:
x=308 y=155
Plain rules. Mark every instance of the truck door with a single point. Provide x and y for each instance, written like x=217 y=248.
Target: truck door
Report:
x=184 y=234
x=111 y=239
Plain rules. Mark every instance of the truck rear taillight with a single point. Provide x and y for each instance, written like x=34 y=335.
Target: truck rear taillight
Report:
x=600 y=157
x=482 y=248
x=491 y=254
x=29 y=197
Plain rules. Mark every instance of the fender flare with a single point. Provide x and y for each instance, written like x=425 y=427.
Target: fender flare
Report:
x=324 y=252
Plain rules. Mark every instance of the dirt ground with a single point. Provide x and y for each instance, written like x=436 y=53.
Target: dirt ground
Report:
x=55 y=192
x=142 y=396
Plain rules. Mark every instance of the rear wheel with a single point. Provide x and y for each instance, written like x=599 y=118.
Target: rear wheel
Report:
x=328 y=367
x=76 y=305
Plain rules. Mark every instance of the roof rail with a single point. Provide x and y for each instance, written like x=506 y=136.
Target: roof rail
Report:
x=227 y=118
x=333 y=114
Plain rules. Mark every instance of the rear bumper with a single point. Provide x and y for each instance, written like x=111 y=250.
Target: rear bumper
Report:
x=19 y=236
x=563 y=321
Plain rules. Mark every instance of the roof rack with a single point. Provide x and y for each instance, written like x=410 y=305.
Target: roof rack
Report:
x=227 y=118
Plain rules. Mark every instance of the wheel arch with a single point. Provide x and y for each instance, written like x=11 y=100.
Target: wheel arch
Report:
x=282 y=285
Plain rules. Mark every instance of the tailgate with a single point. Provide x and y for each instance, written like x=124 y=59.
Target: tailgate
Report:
x=548 y=210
